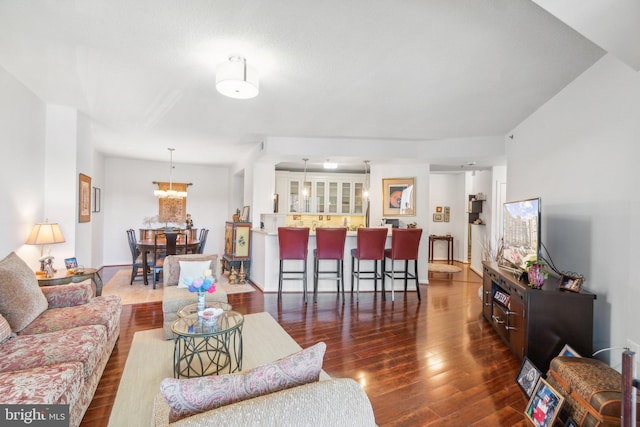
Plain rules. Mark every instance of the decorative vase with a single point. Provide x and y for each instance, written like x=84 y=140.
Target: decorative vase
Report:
x=201 y=303
x=536 y=274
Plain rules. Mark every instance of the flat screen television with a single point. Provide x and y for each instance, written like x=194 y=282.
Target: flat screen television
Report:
x=521 y=232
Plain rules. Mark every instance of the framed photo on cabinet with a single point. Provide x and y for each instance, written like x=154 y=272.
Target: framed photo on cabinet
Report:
x=528 y=376
x=544 y=404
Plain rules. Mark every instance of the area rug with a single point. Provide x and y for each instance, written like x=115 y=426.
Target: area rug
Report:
x=139 y=293
x=443 y=268
x=150 y=360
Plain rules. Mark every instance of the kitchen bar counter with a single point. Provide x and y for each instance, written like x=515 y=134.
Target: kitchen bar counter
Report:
x=265 y=264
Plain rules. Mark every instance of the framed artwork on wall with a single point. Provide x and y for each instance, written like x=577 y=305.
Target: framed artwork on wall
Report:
x=84 y=198
x=97 y=199
x=398 y=197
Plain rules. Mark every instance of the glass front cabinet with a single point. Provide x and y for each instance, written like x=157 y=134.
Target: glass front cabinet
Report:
x=340 y=194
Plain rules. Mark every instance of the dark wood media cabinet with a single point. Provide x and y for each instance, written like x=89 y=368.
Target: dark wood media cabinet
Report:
x=536 y=323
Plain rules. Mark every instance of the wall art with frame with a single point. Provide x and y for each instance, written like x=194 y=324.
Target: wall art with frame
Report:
x=97 y=199
x=398 y=197
x=84 y=198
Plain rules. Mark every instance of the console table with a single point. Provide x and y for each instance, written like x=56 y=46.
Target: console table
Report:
x=448 y=239
x=63 y=277
x=536 y=323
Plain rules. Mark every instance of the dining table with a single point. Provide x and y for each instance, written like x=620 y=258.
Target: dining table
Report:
x=147 y=246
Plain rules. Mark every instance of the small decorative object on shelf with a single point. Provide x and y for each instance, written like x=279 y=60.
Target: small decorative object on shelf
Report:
x=537 y=273
x=189 y=222
x=211 y=314
x=233 y=276
x=571 y=282
x=242 y=276
x=201 y=285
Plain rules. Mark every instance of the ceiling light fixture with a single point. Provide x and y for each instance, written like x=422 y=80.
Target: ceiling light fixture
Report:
x=170 y=193
x=304 y=181
x=236 y=79
x=365 y=193
x=330 y=165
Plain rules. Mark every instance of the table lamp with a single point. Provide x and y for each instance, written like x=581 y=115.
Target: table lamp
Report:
x=44 y=234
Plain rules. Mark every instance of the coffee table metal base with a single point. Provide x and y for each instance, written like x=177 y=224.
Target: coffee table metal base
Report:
x=197 y=356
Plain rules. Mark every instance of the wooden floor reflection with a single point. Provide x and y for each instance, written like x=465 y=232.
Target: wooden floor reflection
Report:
x=434 y=362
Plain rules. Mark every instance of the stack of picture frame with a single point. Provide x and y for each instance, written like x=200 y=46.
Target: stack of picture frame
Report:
x=544 y=401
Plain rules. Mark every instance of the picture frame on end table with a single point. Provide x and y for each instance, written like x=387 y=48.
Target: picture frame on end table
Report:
x=544 y=404
x=71 y=263
x=84 y=198
x=528 y=376
x=398 y=197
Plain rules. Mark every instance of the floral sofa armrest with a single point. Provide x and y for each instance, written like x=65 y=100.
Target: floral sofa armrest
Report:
x=69 y=295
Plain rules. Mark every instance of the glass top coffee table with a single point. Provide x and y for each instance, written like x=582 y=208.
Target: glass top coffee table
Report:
x=207 y=349
x=193 y=308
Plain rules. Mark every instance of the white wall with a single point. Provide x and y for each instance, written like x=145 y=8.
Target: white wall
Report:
x=481 y=182
x=422 y=179
x=22 y=134
x=448 y=190
x=128 y=198
x=579 y=152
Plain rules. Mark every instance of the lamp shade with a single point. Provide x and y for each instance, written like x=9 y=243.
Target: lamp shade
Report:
x=45 y=234
x=236 y=79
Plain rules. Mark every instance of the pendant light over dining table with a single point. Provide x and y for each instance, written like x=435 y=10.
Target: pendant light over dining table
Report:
x=169 y=193
x=236 y=79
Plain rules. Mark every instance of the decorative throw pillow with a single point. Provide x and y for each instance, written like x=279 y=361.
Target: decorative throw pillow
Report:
x=172 y=266
x=5 y=330
x=21 y=299
x=193 y=269
x=195 y=395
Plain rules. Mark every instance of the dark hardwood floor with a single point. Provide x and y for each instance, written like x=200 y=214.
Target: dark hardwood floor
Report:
x=434 y=362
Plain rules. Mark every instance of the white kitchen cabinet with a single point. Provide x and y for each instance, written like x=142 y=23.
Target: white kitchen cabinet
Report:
x=325 y=193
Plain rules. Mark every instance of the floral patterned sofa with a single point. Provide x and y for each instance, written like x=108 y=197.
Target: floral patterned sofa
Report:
x=54 y=341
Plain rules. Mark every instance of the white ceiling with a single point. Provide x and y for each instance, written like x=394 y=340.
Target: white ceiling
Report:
x=143 y=71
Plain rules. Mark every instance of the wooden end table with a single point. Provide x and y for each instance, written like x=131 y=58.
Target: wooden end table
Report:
x=63 y=277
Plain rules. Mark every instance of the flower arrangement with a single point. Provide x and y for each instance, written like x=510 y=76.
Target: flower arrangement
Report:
x=205 y=283
x=537 y=273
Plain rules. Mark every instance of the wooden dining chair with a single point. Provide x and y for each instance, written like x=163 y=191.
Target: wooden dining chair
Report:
x=203 y=239
x=137 y=263
x=160 y=247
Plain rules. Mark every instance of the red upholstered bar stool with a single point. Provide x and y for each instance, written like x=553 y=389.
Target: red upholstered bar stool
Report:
x=293 y=243
x=329 y=246
x=369 y=247
x=404 y=247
